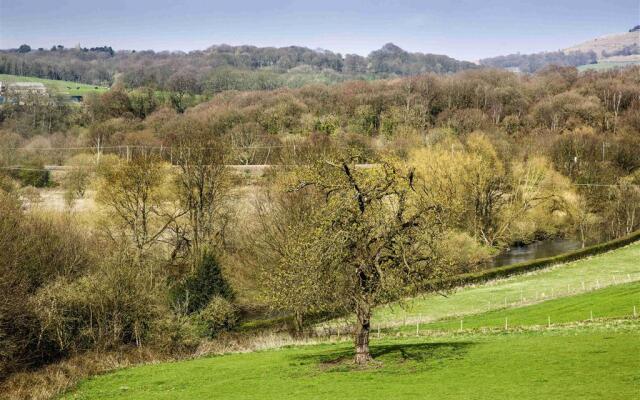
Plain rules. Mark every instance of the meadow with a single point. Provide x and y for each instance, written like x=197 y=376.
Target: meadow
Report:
x=574 y=357
x=606 y=65
x=589 y=363
x=568 y=279
x=62 y=87
x=616 y=301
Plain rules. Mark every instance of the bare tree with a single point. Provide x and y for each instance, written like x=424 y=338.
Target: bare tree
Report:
x=203 y=181
x=139 y=207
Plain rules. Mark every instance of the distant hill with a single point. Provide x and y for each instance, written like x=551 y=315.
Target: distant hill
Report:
x=220 y=67
x=607 y=46
x=610 y=51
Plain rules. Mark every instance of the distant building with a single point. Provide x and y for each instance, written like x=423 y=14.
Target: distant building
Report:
x=19 y=88
x=19 y=92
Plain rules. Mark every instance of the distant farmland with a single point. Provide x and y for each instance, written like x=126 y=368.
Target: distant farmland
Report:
x=63 y=87
x=604 y=65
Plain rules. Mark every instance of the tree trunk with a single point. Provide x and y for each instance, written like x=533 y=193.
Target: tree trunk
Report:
x=298 y=323
x=363 y=327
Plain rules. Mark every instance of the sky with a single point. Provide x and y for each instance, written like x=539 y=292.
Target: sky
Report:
x=463 y=29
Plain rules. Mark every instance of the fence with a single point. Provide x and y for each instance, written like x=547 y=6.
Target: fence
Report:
x=422 y=324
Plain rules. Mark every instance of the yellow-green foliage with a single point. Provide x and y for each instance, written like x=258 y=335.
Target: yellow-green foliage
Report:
x=497 y=201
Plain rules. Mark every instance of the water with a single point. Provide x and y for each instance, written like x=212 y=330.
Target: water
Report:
x=542 y=249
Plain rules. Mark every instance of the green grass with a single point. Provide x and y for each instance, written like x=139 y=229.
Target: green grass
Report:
x=612 y=302
x=598 y=360
x=583 y=364
x=597 y=271
x=605 y=65
x=63 y=87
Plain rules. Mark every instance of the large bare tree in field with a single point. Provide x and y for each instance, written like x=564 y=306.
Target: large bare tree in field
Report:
x=371 y=240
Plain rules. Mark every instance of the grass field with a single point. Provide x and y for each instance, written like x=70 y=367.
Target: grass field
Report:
x=605 y=65
x=64 y=87
x=612 y=302
x=585 y=364
x=595 y=272
x=595 y=360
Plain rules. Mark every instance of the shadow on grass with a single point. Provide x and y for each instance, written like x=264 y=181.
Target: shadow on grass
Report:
x=416 y=354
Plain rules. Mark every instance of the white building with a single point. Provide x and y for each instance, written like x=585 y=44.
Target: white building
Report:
x=26 y=88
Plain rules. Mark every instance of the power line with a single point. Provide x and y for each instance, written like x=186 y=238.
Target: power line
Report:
x=123 y=147
x=249 y=166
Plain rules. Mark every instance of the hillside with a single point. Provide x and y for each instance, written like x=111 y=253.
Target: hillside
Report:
x=582 y=364
x=222 y=67
x=556 y=284
x=606 y=52
x=607 y=44
x=567 y=356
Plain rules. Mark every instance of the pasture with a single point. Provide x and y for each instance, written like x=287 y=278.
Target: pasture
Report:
x=62 y=87
x=574 y=357
x=589 y=363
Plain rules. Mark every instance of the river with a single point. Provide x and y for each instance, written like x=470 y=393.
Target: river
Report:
x=542 y=249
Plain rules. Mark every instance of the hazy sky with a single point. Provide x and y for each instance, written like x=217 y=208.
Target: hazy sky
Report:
x=463 y=29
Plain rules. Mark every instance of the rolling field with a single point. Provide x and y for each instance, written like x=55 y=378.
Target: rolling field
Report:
x=596 y=360
x=576 y=364
x=595 y=272
x=64 y=87
x=605 y=65
x=612 y=302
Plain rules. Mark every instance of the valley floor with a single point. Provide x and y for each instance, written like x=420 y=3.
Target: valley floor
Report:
x=583 y=343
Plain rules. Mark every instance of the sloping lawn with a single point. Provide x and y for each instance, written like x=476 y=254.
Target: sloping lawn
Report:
x=594 y=272
x=576 y=364
x=612 y=302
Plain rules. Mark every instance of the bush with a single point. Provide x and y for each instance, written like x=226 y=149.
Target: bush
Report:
x=176 y=334
x=114 y=305
x=204 y=283
x=78 y=177
x=218 y=316
x=33 y=251
x=7 y=184
x=465 y=252
x=33 y=175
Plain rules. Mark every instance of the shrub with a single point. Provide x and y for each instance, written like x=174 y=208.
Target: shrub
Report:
x=115 y=304
x=465 y=252
x=78 y=178
x=463 y=121
x=33 y=175
x=200 y=286
x=218 y=316
x=33 y=251
x=7 y=184
x=176 y=334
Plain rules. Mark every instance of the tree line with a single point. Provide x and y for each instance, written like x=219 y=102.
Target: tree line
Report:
x=530 y=63
x=285 y=66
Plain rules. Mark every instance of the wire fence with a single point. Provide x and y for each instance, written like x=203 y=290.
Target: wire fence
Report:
x=423 y=324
